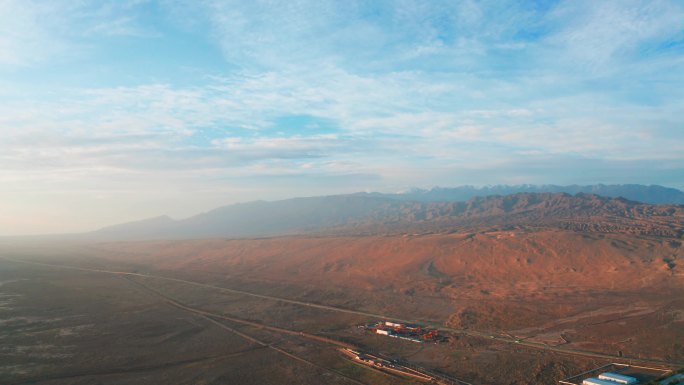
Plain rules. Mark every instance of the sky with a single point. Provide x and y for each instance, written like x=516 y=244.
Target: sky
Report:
x=113 y=111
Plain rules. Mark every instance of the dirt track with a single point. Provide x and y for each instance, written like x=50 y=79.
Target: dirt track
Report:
x=471 y=333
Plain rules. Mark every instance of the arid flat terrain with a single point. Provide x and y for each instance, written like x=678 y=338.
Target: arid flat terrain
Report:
x=523 y=306
x=76 y=327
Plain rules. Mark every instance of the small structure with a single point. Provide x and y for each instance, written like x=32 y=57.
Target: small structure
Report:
x=619 y=378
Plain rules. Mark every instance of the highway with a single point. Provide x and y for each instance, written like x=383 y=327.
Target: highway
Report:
x=467 y=332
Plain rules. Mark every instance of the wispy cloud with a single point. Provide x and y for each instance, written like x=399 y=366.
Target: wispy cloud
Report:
x=32 y=31
x=26 y=33
x=609 y=35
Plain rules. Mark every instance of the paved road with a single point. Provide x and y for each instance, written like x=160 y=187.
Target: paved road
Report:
x=467 y=332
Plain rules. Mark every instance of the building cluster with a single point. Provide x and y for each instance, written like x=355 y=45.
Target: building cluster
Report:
x=413 y=333
x=610 y=378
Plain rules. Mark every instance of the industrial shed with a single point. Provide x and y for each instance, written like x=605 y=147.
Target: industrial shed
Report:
x=596 y=381
x=619 y=378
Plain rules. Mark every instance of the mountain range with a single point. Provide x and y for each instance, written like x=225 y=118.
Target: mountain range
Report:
x=429 y=211
x=653 y=194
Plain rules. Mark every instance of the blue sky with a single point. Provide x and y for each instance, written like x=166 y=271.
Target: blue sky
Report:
x=118 y=110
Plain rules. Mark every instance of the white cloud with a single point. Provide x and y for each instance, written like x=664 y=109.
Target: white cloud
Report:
x=153 y=126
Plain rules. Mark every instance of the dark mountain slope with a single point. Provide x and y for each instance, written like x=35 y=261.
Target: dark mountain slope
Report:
x=648 y=194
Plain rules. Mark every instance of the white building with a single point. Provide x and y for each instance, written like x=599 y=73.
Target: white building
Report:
x=393 y=324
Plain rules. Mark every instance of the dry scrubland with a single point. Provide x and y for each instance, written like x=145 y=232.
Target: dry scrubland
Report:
x=605 y=293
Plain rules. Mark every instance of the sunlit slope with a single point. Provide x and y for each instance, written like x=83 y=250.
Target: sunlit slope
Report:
x=484 y=264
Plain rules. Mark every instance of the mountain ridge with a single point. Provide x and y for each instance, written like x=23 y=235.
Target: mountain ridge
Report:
x=653 y=194
x=363 y=214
